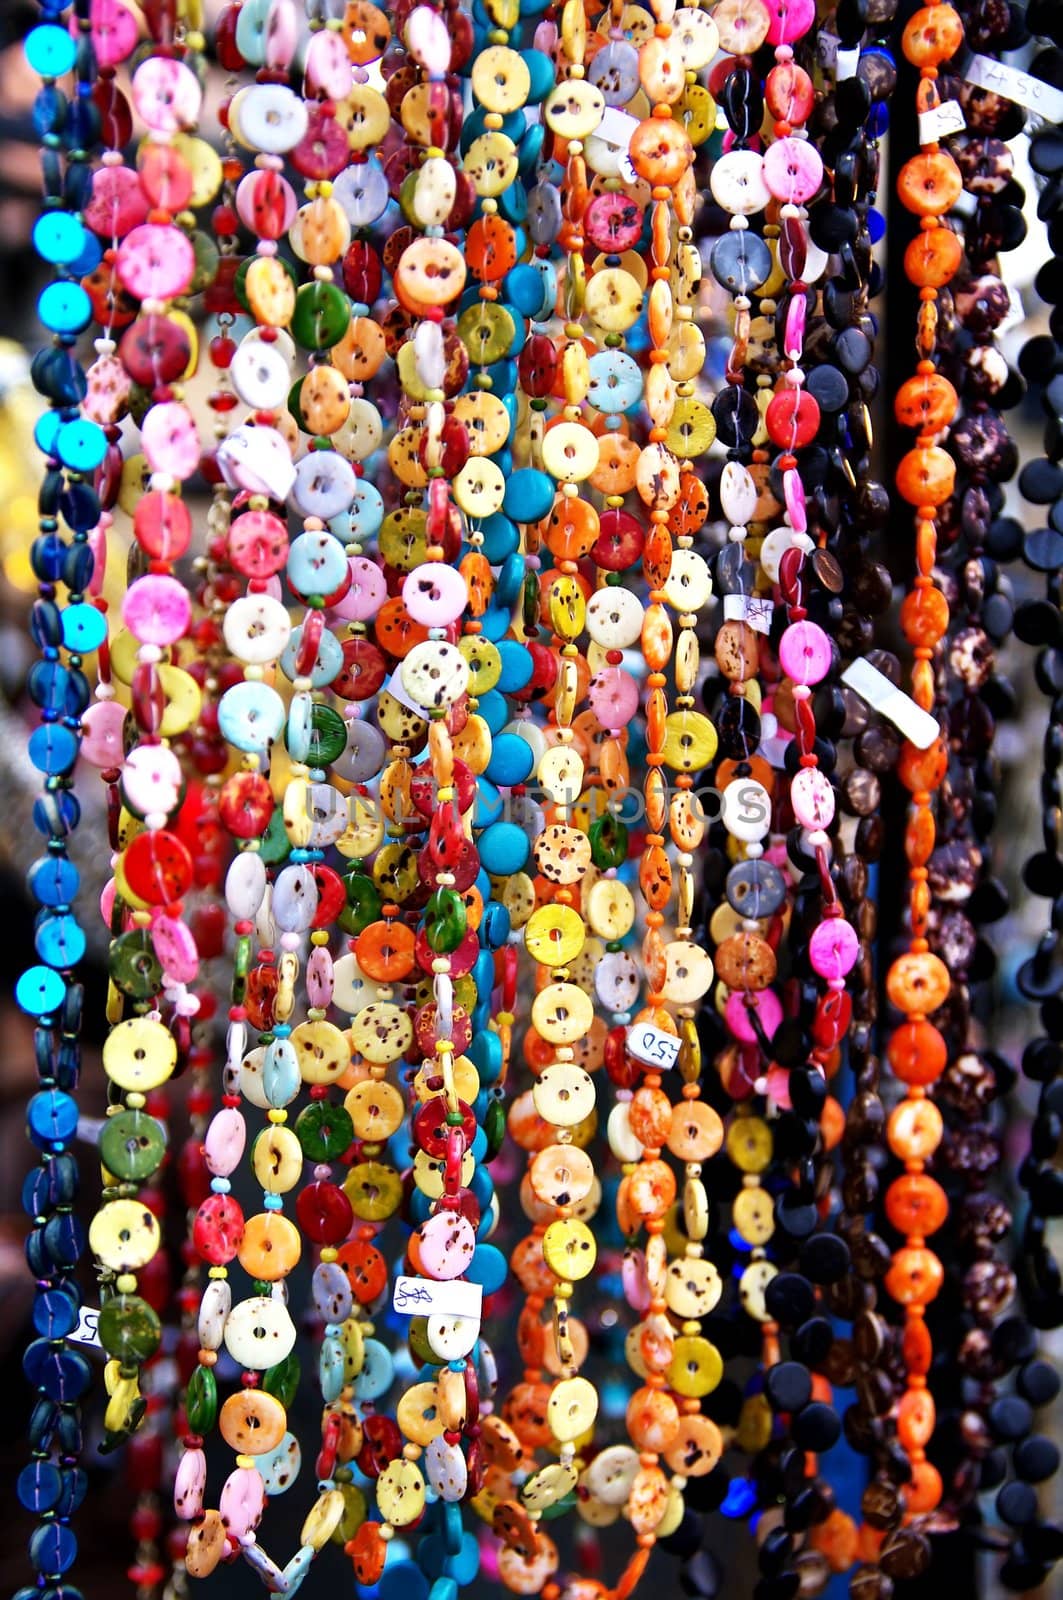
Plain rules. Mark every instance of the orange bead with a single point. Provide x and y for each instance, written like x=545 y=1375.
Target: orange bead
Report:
x=915 y=1277
x=923 y=769
x=917 y=1052
x=930 y=184
x=384 y=951
x=933 y=258
x=916 y=1203
x=924 y=616
x=836 y=1538
x=923 y=1492
x=918 y=982
x=927 y=401
x=926 y=476
x=916 y=1348
x=916 y=1415
x=934 y=34
x=652 y=1419
x=650 y=1113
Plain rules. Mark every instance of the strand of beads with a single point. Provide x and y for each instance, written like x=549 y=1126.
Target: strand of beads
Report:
x=52 y=1485
x=918 y=982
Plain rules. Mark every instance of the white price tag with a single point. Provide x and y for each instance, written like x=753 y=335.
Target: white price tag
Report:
x=940 y=121
x=1015 y=312
x=883 y=696
x=652 y=1046
x=422 y=1297
x=394 y=687
x=827 y=48
x=1020 y=87
x=616 y=128
x=847 y=63
x=757 y=610
x=86 y=1331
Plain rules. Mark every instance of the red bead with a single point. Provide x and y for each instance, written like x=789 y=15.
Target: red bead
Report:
x=792 y=419
x=162 y=525
x=324 y=1213
x=245 y=804
x=218 y=1229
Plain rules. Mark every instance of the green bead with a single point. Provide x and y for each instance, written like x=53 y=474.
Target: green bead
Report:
x=276 y=846
x=363 y=903
x=201 y=1400
x=494 y=1127
x=207 y=258
x=407 y=189
x=129 y=1329
x=608 y=837
x=282 y=1381
x=133 y=966
x=446 y=920
x=132 y=1145
x=242 y=956
x=561 y=1508
x=420 y=1349
x=324 y=1130
x=355 y=1511
x=328 y=734
x=321 y=316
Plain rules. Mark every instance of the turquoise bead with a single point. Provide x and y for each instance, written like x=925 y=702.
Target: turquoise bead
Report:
x=59 y=238
x=529 y=495
x=50 y=51
x=504 y=848
x=64 y=307
x=517 y=666
x=512 y=760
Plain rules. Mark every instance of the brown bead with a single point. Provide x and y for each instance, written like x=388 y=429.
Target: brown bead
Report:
x=880 y=1504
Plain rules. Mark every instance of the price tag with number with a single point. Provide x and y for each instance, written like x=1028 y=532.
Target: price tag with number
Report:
x=652 y=1046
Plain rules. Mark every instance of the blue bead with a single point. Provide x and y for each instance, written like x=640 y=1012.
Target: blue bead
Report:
x=512 y=760
x=75 y=1487
x=52 y=749
x=529 y=495
x=39 y=1486
x=483 y=969
x=50 y=51
x=64 y=1375
x=49 y=111
x=523 y=288
x=488 y=1267
x=59 y=238
x=488 y=804
x=48 y=683
x=51 y=1117
x=81 y=445
x=403 y=1580
x=80 y=505
x=510 y=579
x=39 y=991
x=740 y=1498
x=89 y=259
x=495 y=622
x=494 y=710
x=463 y=1557
x=513 y=203
x=541 y=70
x=531 y=149
x=64 y=307
x=55 y=1313
x=53 y=1548
x=64 y=1239
x=495 y=926
x=504 y=848
x=60 y=941
x=444 y=1589
x=55 y=815
x=876 y=224
x=47 y=555
x=84 y=628
x=485 y=1053
x=46 y=432
x=517 y=666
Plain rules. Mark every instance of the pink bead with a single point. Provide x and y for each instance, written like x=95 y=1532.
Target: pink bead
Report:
x=169 y=439
x=110 y=889
x=446 y=1244
x=794 y=337
x=189 y=1485
x=633 y=1278
x=241 y=1501
x=614 y=697
x=812 y=798
x=267 y=198
x=319 y=978
x=367 y=593
x=428 y=40
x=281 y=36
x=794 y=495
x=790 y=19
x=156 y=609
x=224 y=1143
x=779 y=1087
x=98 y=546
x=166 y=94
x=328 y=66
x=833 y=948
x=793 y=170
x=152 y=779
x=804 y=653
x=117 y=204
x=101 y=734
x=113 y=32
x=155 y=262
x=175 y=949
x=434 y=594
x=767 y=1006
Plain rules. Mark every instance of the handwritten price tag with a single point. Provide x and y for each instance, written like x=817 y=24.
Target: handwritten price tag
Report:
x=422 y=1297
x=650 y=1045
x=756 y=610
x=940 y=121
x=1020 y=87
x=87 y=1331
